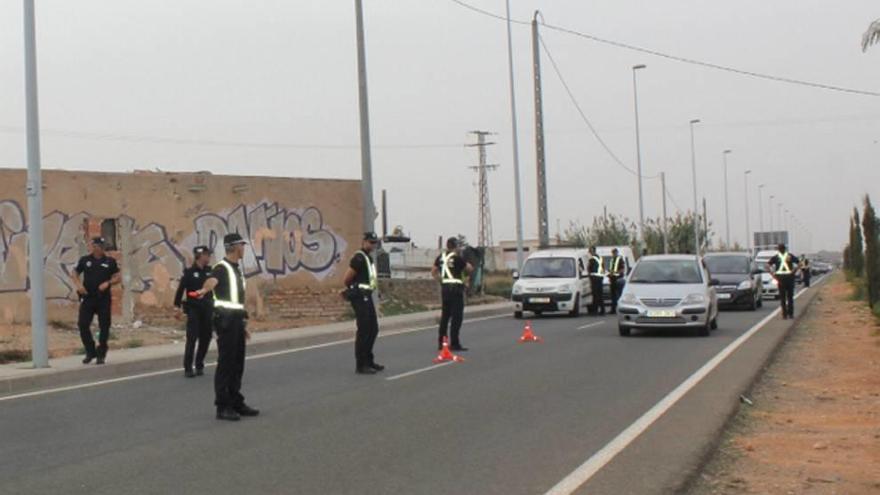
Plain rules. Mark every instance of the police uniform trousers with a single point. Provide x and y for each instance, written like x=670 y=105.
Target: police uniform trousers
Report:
x=367 y=328
x=452 y=296
x=598 y=305
x=807 y=276
x=198 y=331
x=614 y=284
x=786 y=294
x=230 y=328
x=90 y=306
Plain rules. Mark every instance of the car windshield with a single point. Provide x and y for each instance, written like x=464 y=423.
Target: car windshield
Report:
x=549 y=268
x=728 y=264
x=666 y=272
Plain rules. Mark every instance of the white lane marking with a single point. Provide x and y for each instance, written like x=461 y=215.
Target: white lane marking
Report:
x=416 y=372
x=595 y=323
x=600 y=459
x=249 y=358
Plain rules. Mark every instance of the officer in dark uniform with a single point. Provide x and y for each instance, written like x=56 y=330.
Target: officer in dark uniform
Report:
x=783 y=266
x=806 y=271
x=99 y=272
x=596 y=270
x=450 y=268
x=615 y=277
x=230 y=322
x=360 y=282
x=198 y=311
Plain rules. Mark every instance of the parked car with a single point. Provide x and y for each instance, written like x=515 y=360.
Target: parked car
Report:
x=739 y=279
x=629 y=261
x=668 y=291
x=554 y=280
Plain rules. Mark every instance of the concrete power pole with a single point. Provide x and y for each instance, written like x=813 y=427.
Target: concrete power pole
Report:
x=34 y=192
x=543 y=227
x=665 y=229
x=514 y=136
x=363 y=99
x=484 y=221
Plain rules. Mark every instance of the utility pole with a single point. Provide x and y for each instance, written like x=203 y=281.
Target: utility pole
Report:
x=770 y=208
x=363 y=98
x=705 y=225
x=543 y=227
x=748 y=229
x=726 y=201
x=484 y=221
x=760 y=207
x=635 y=69
x=384 y=213
x=694 y=173
x=515 y=142
x=665 y=231
x=34 y=192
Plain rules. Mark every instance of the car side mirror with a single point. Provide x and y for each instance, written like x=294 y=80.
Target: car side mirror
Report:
x=515 y=275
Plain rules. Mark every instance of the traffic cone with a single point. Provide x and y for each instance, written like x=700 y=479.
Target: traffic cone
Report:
x=528 y=335
x=447 y=355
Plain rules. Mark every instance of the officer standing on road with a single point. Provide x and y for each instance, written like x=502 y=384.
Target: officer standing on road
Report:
x=198 y=311
x=805 y=270
x=596 y=270
x=615 y=277
x=361 y=282
x=99 y=273
x=783 y=266
x=230 y=322
x=450 y=268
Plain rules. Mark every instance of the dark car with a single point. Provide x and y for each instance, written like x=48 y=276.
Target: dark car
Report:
x=739 y=279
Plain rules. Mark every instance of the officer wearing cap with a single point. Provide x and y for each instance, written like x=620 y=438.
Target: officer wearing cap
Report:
x=198 y=311
x=783 y=266
x=99 y=272
x=450 y=269
x=615 y=277
x=360 y=283
x=227 y=284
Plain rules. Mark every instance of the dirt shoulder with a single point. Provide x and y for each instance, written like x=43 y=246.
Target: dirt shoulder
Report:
x=815 y=423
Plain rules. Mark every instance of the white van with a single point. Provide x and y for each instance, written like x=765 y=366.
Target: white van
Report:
x=554 y=280
x=628 y=259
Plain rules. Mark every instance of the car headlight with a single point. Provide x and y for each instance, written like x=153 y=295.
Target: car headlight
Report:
x=774 y=282
x=564 y=289
x=694 y=299
x=744 y=285
x=629 y=298
x=517 y=289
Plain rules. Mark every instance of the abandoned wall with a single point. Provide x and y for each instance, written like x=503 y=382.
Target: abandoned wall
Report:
x=301 y=233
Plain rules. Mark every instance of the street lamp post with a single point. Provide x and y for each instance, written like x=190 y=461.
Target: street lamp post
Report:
x=726 y=200
x=760 y=207
x=770 y=210
x=665 y=230
x=635 y=69
x=369 y=213
x=694 y=173
x=748 y=229
x=517 y=190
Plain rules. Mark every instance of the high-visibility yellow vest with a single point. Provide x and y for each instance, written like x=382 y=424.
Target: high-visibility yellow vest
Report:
x=371 y=269
x=233 y=303
x=600 y=266
x=446 y=276
x=615 y=267
x=784 y=267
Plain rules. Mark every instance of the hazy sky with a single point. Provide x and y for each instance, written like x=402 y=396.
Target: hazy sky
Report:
x=282 y=72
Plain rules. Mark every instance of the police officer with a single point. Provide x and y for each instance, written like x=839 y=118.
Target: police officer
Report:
x=615 y=276
x=230 y=322
x=450 y=268
x=783 y=266
x=596 y=269
x=360 y=282
x=806 y=272
x=99 y=272
x=198 y=311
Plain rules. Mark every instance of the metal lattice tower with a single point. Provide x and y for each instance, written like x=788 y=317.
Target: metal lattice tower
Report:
x=484 y=224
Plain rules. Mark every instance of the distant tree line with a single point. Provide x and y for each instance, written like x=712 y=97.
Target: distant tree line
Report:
x=618 y=230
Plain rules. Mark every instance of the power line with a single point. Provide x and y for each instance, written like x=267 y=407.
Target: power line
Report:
x=98 y=136
x=686 y=60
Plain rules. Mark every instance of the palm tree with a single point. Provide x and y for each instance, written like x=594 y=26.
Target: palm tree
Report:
x=871 y=36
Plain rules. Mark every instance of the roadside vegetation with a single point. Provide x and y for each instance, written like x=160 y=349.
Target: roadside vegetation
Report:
x=861 y=257
x=618 y=230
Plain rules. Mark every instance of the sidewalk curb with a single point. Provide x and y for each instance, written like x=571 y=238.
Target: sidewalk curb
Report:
x=169 y=356
x=670 y=454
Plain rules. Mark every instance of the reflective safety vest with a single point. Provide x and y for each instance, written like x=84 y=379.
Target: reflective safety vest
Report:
x=600 y=266
x=615 y=266
x=233 y=303
x=446 y=276
x=784 y=267
x=371 y=269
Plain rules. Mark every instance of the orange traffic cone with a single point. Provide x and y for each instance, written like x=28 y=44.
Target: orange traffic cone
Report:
x=528 y=335
x=446 y=354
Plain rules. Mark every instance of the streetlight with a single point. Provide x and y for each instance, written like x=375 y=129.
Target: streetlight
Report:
x=760 y=207
x=369 y=213
x=694 y=173
x=748 y=229
x=639 y=156
x=770 y=207
x=726 y=201
x=515 y=142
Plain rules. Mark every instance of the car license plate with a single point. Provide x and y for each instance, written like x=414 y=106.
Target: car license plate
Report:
x=539 y=300
x=665 y=313
x=723 y=296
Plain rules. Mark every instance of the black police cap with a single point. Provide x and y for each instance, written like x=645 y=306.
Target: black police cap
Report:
x=201 y=250
x=371 y=237
x=98 y=241
x=233 y=239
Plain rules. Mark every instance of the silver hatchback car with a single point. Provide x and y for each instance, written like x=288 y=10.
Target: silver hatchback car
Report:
x=668 y=291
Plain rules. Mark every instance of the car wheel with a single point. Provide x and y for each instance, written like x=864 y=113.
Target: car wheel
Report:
x=623 y=331
x=518 y=315
x=577 y=307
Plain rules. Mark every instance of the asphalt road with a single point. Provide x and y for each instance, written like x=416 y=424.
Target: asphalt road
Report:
x=513 y=418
